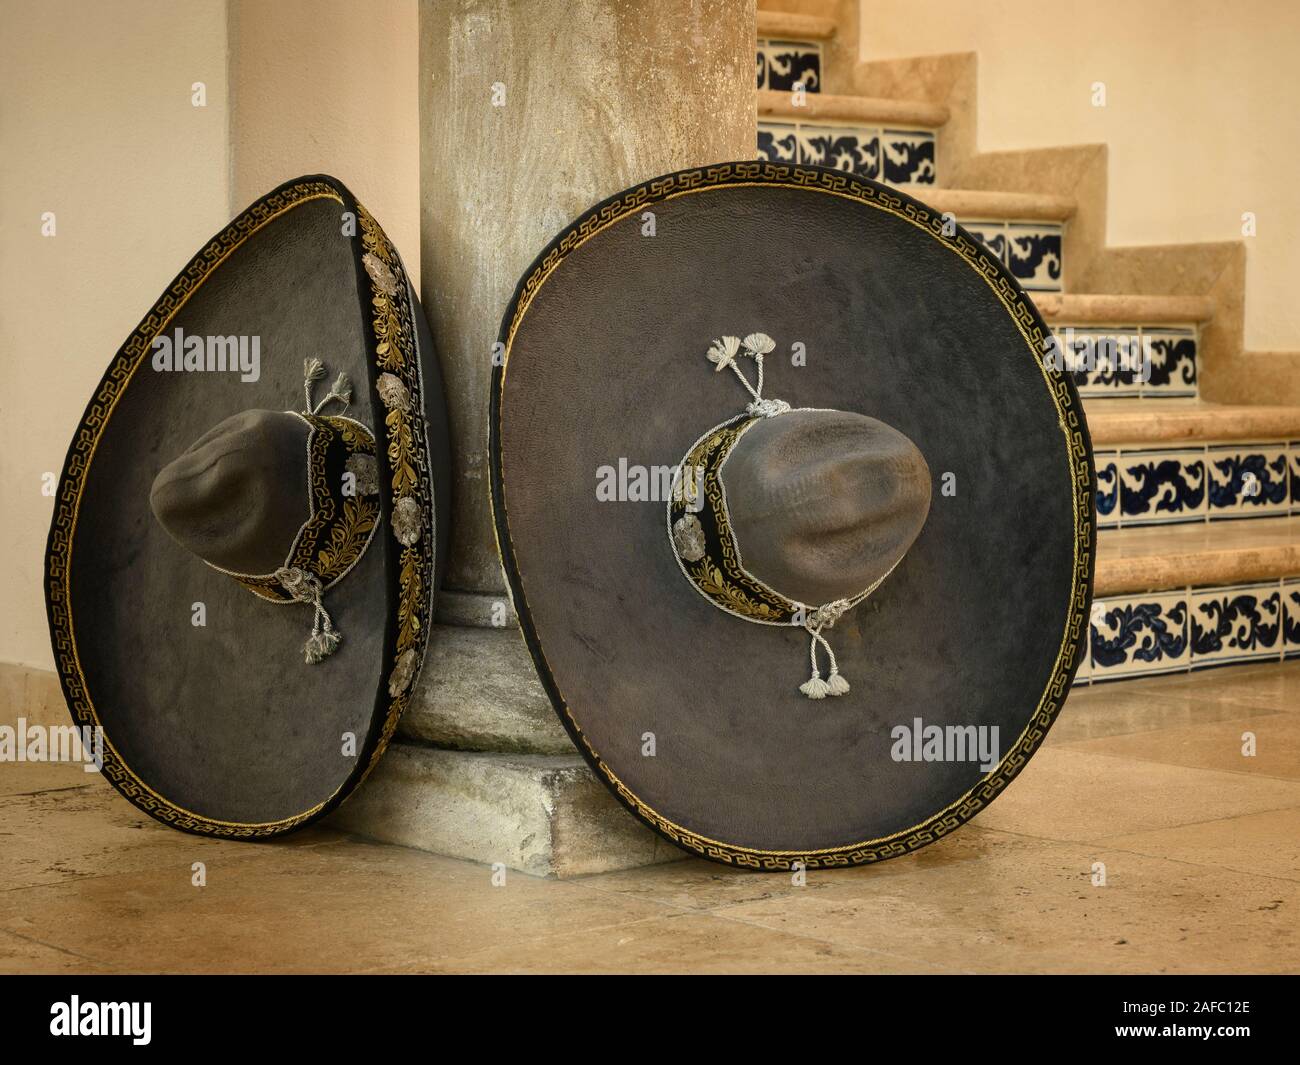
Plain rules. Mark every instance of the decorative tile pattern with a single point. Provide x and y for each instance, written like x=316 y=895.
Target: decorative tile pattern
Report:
x=778 y=142
x=854 y=150
x=1248 y=480
x=1159 y=486
x=1291 y=617
x=1171 y=357
x=1139 y=636
x=900 y=157
x=783 y=64
x=1108 y=486
x=908 y=156
x=1033 y=252
x=1192 y=628
x=1293 y=450
x=1103 y=362
x=1216 y=482
x=1129 y=361
x=1233 y=624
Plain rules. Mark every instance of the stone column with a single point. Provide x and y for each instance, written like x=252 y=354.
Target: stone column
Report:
x=529 y=113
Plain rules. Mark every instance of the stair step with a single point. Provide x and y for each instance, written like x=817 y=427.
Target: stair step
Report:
x=1190 y=597
x=1165 y=557
x=789 y=26
x=974 y=204
x=1115 y=422
x=1105 y=309
x=861 y=110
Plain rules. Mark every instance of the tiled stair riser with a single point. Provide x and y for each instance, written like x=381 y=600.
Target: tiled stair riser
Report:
x=1033 y=251
x=1195 y=483
x=784 y=64
x=894 y=156
x=1192 y=628
x=1107 y=362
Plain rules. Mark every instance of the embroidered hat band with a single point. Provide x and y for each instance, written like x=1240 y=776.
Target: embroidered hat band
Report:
x=343 y=512
x=703 y=531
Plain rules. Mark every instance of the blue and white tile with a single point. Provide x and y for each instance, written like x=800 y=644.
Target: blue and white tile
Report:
x=1171 y=355
x=1293 y=457
x=1291 y=617
x=1035 y=255
x=1159 y=486
x=1247 y=480
x=1236 y=624
x=907 y=156
x=778 y=142
x=842 y=147
x=1103 y=362
x=993 y=235
x=1107 y=463
x=784 y=64
x=1133 y=636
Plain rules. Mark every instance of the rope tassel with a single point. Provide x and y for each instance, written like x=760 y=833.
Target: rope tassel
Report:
x=824 y=617
x=305 y=588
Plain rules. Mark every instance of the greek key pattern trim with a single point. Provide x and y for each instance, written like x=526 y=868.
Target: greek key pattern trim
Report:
x=1071 y=421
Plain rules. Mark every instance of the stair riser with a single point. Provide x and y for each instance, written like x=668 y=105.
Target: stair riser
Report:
x=1188 y=629
x=1109 y=362
x=1197 y=483
x=783 y=64
x=896 y=156
x=1034 y=252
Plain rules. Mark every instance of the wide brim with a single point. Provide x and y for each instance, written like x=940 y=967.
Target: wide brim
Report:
x=212 y=720
x=691 y=716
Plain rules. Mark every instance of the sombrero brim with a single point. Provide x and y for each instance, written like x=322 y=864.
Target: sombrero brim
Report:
x=691 y=716
x=212 y=720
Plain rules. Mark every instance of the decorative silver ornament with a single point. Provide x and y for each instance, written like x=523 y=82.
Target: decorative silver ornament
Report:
x=400 y=679
x=380 y=274
x=393 y=392
x=365 y=471
x=408 y=521
x=688 y=537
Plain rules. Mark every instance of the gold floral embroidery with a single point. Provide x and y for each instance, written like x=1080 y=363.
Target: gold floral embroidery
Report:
x=348 y=538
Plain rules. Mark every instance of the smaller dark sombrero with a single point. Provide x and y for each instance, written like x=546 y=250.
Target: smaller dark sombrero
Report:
x=851 y=604
x=249 y=530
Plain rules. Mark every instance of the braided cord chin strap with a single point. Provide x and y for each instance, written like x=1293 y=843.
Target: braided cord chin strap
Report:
x=715 y=577
x=305 y=587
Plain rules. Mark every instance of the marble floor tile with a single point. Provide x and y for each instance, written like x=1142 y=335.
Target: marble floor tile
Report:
x=340 y=908
x=1274 y=739
x=1267 y=843
x=1097 y=711
x=1065 y=794
x=702 y=943
x=1034 y=908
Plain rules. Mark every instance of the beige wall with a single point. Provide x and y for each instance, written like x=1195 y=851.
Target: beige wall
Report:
x=1200 y=118
x=330 y=86
x=96 y=126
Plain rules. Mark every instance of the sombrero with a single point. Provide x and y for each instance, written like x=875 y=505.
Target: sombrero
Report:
x=248 y=532
x=796 y=508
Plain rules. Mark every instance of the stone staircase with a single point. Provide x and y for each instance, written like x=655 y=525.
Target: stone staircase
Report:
x=1198 y=501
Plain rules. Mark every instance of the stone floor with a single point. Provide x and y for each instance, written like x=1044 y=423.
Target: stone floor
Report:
x=1200 y=844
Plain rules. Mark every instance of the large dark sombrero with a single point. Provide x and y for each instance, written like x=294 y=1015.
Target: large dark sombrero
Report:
x=877 y=545
x=248 y=531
